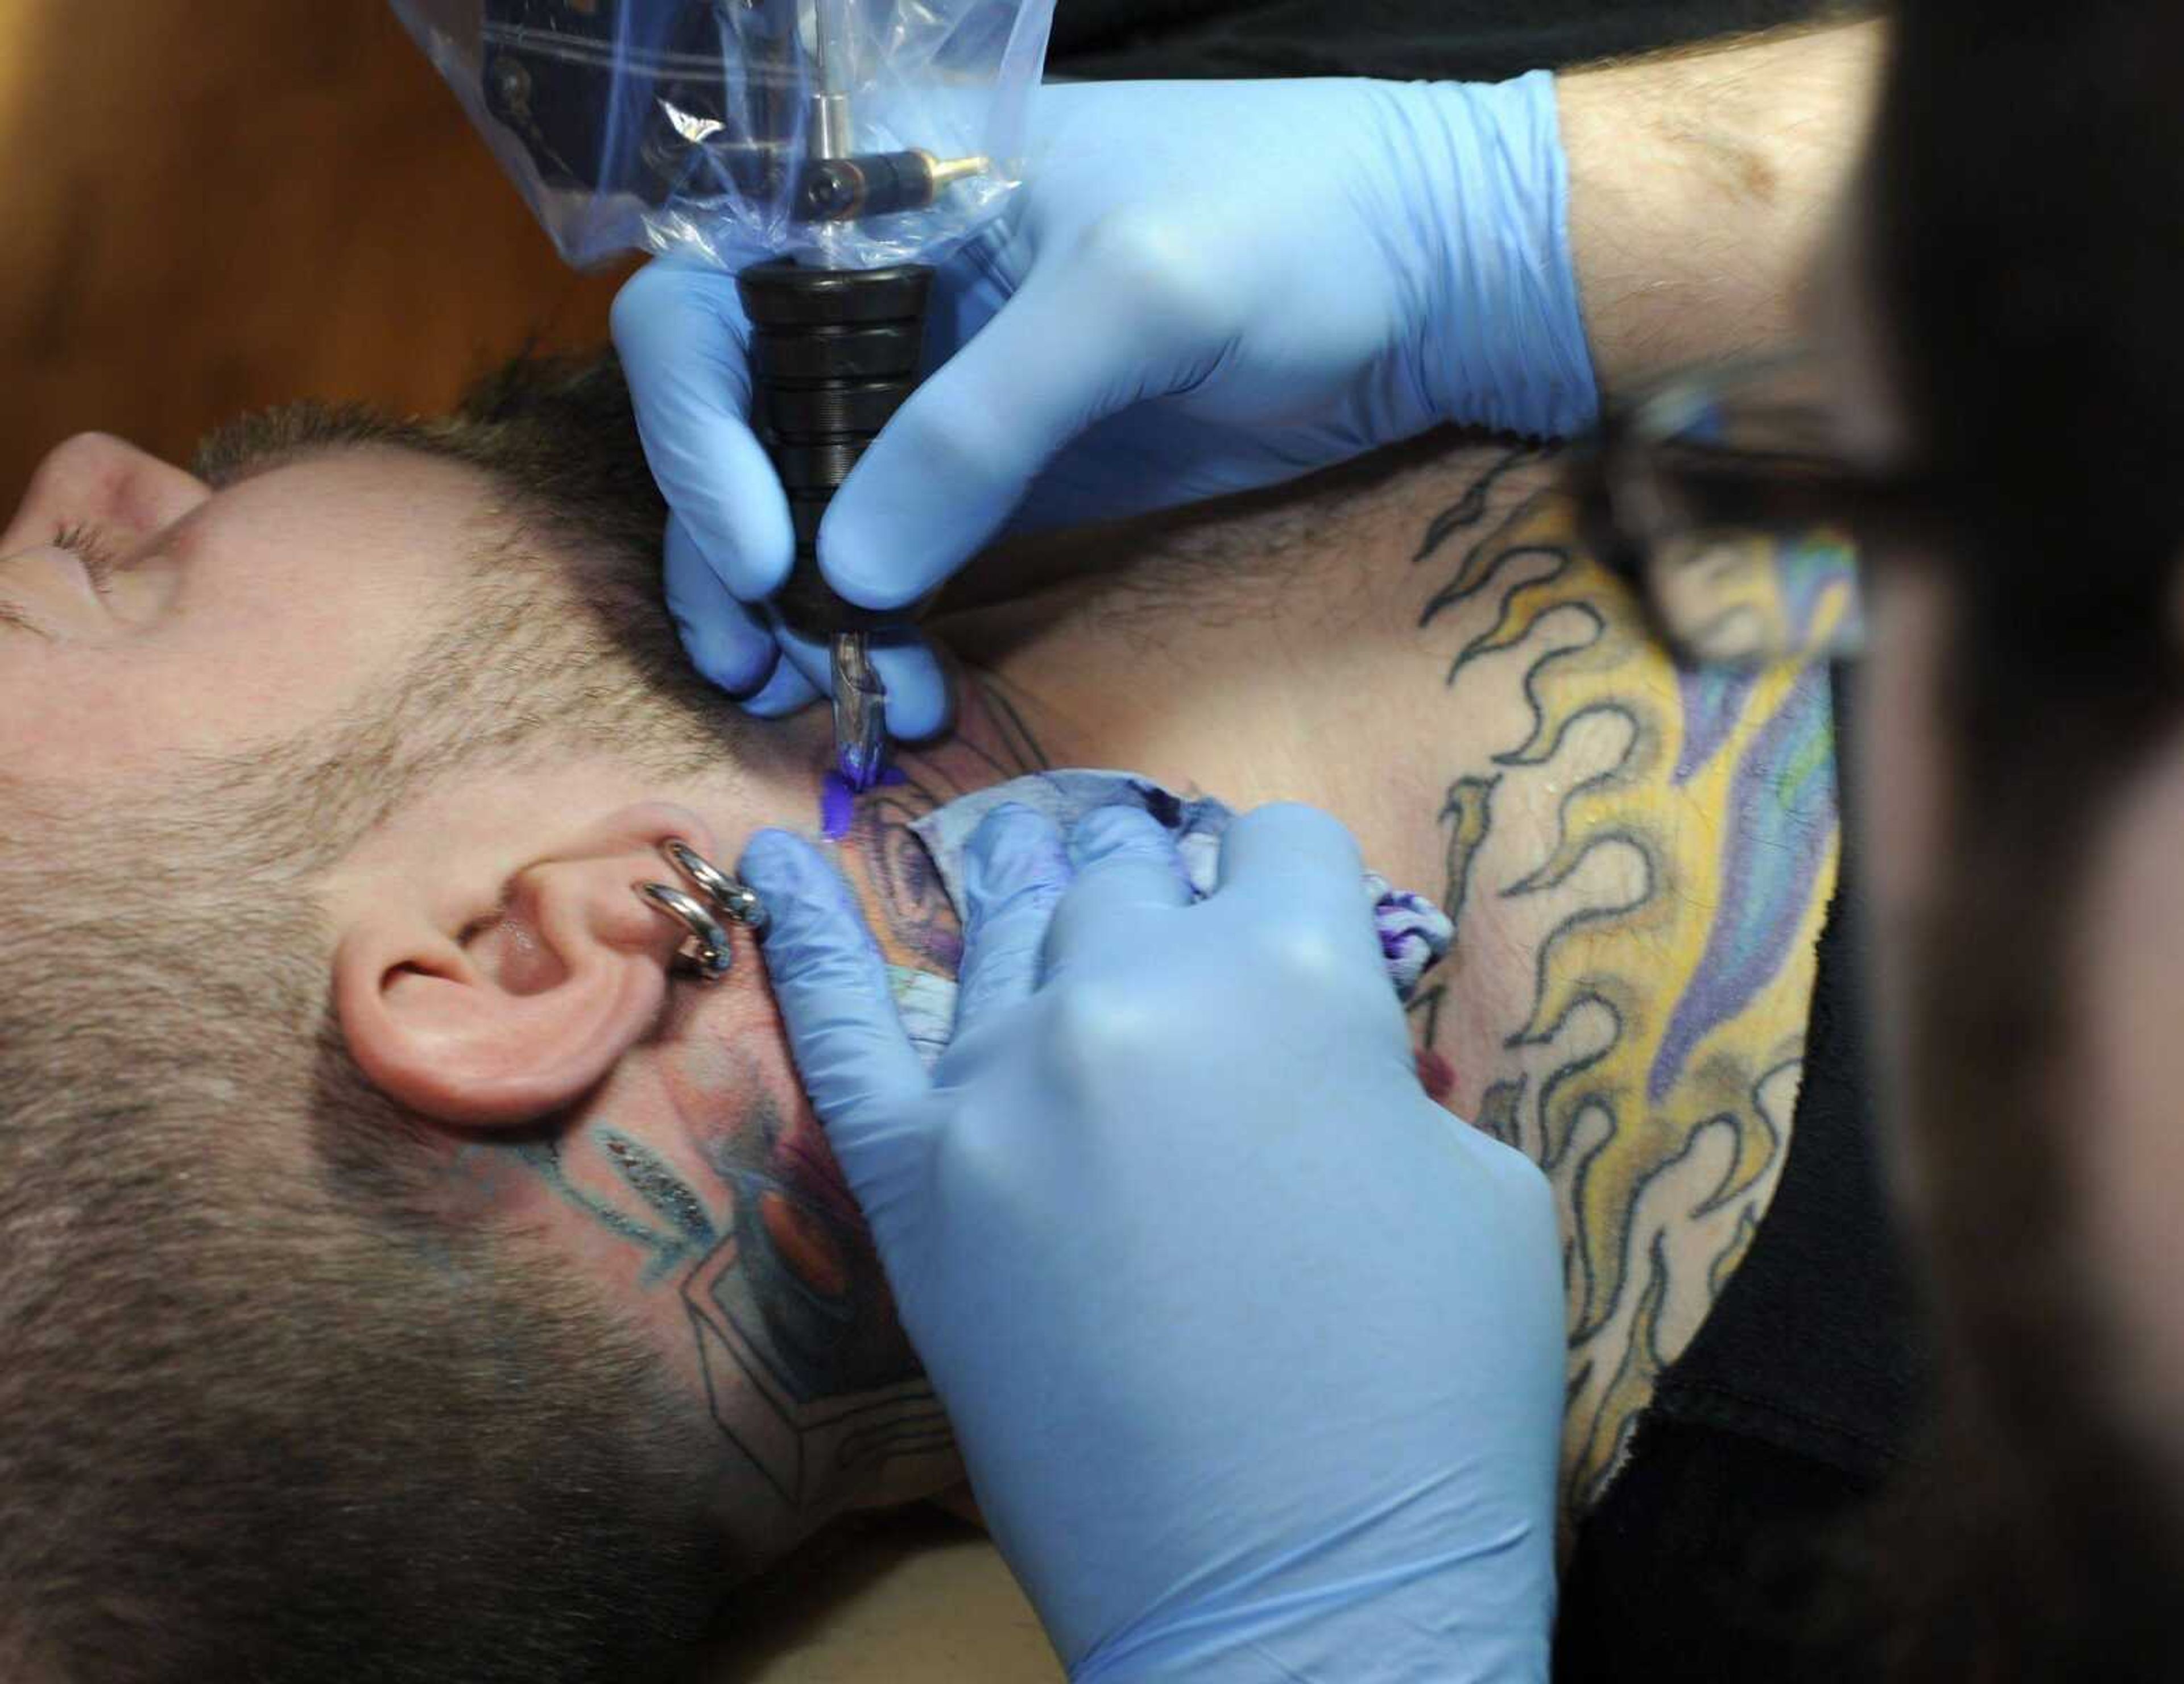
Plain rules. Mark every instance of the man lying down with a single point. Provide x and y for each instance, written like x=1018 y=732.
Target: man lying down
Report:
x=325 y=773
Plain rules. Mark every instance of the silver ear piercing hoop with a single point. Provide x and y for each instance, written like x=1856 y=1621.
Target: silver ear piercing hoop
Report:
x=726 y=901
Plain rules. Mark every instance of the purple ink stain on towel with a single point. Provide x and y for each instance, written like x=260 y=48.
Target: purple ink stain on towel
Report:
x=837 y=801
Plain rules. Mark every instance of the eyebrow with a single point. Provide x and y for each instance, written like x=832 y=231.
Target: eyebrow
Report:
x=259 y=442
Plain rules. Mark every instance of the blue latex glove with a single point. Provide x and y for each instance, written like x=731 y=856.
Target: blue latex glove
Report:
x=1205 y=287
x=1254 y=1353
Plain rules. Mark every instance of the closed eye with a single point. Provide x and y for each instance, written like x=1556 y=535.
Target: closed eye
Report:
x=89 y=546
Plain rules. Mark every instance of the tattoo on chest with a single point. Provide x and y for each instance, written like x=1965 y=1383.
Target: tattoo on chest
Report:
x=1654 y=849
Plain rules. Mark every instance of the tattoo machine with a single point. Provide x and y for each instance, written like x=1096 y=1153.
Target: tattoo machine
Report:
x=825 y=152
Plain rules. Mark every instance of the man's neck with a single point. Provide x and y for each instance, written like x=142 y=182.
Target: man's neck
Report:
x=1279 y=648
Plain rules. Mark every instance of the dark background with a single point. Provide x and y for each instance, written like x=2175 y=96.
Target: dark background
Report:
x=211 y=207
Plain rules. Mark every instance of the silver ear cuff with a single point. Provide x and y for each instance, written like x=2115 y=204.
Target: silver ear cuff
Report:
x=737 y=899
x=710 y=954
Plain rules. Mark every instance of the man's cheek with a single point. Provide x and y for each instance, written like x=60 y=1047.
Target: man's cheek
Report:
x=76 y=716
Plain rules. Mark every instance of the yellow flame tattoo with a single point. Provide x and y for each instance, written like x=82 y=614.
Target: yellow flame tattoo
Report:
x=1681 y=890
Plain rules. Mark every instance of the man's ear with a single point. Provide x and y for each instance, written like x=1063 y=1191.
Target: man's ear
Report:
x=492 y=993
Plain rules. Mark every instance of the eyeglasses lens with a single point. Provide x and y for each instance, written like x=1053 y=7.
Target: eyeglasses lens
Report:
x=1722 y=490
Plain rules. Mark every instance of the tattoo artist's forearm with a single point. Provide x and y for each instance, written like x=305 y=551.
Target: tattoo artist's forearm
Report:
x=1700 y=185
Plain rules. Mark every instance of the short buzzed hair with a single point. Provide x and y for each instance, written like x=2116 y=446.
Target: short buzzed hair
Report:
x=265 y=1414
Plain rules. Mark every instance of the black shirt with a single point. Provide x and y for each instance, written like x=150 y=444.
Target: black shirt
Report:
x=1468 y=40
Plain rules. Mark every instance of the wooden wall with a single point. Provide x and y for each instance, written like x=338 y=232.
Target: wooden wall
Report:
x=208 y=207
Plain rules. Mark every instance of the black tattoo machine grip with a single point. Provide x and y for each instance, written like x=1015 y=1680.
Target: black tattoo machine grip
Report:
x=833 y=353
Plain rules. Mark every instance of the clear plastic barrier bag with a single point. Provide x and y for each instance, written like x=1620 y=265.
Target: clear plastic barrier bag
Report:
x=849 y=134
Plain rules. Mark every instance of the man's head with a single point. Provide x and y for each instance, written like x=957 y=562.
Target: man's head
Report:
x=2018 y=254
x=324 y=779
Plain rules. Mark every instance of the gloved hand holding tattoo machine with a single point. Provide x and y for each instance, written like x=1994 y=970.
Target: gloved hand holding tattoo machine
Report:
x=814 y=151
